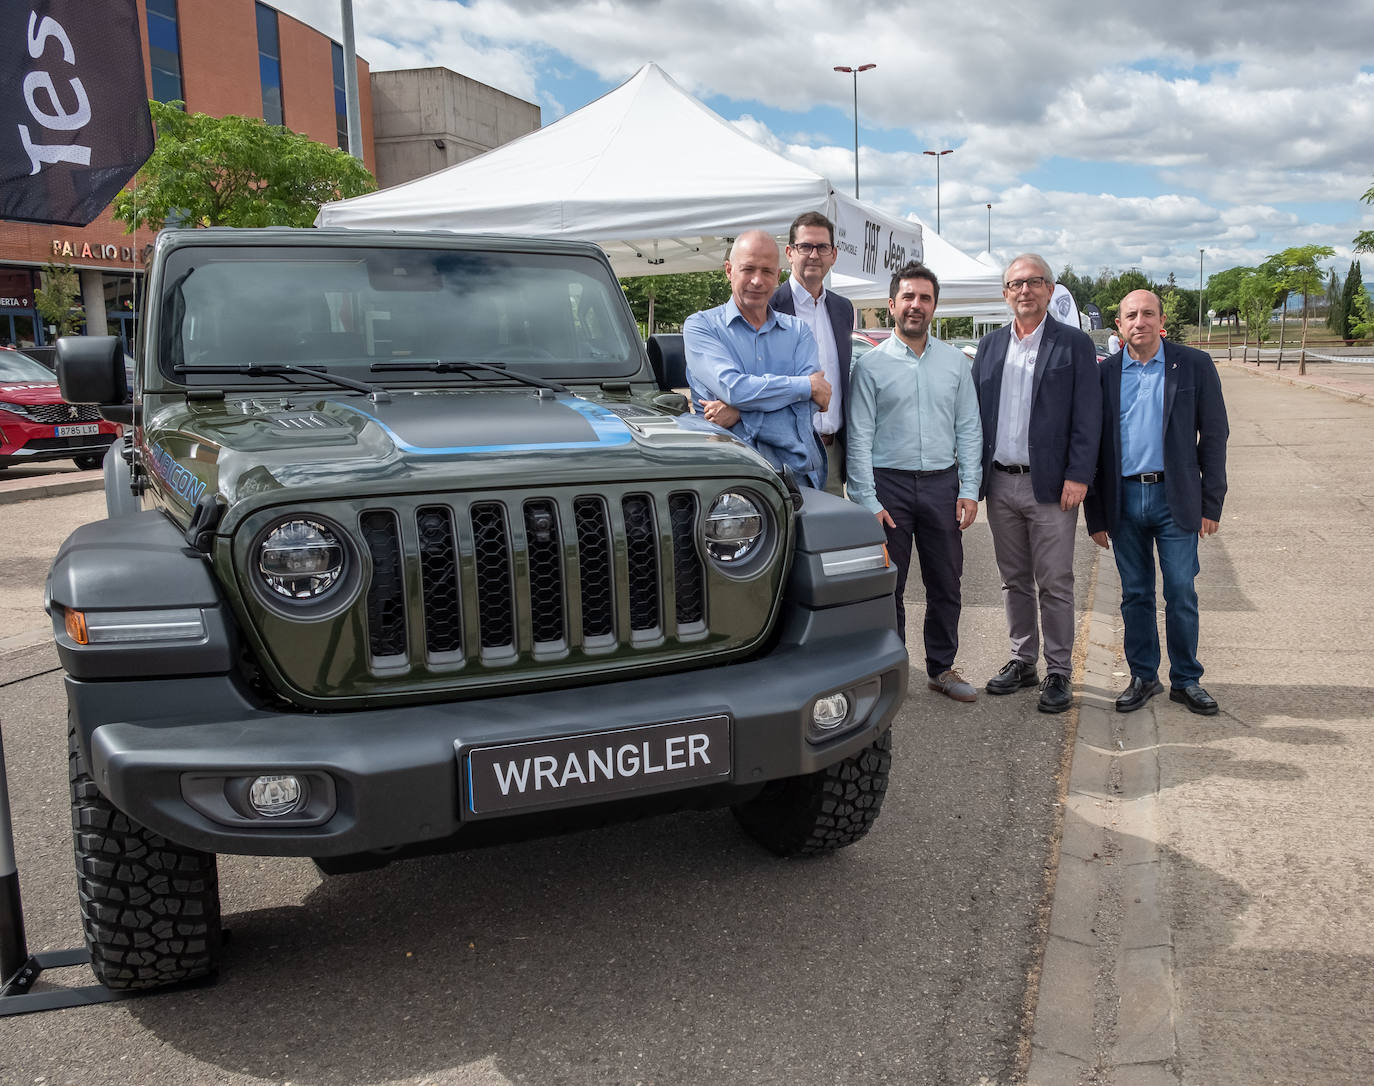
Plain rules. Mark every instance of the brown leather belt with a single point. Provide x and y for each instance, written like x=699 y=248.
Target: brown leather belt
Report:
x=826 y=439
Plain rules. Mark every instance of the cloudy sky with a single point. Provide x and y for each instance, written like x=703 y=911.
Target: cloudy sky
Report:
x=1102 y=135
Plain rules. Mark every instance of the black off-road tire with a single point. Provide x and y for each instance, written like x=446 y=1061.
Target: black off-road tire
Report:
x=150 y=908
x=824 y=811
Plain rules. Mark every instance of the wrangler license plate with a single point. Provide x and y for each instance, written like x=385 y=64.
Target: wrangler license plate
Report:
x=603 y=765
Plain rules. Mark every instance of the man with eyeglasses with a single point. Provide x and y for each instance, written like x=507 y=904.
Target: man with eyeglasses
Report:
x=811 y=252
x=1041 y=405
x=754 y=371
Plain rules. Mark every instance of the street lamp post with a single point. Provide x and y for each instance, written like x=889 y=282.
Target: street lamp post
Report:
x=989 y=230
x=855 y=73
x=937 y=156
x=1199 y=294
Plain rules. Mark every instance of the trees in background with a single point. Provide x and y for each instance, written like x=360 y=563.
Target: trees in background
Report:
x=235 y=171
x=1354 y=288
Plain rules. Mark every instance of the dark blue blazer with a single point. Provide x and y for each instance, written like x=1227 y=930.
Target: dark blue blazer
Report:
x=841 y=313
x=1066 y=406
x=1195 y=433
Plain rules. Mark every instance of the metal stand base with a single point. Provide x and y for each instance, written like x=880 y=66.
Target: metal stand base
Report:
x=16 y=998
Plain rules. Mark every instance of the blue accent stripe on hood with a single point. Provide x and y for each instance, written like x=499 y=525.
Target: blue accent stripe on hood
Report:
x=609 y=428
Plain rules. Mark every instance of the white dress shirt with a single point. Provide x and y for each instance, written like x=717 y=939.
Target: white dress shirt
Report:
x=812 y=312
x=1013 y=409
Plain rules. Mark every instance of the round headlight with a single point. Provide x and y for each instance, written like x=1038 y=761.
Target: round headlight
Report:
x=301 y=559
x=734 y=528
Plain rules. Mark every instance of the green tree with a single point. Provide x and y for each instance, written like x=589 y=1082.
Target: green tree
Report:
x=1223 y=291
x=235 y=171
x=1081 y=287
x=674 y=297
x=1257 y=294
x=1335 y=311
x=1296 y=272
x=1110 y=289
x=57 y=297
x=1354 y=284
x=1364 y=240
x=1362 y=319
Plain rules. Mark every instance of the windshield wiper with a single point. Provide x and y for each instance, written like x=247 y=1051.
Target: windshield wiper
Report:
x=283 y=369
x=440 y=365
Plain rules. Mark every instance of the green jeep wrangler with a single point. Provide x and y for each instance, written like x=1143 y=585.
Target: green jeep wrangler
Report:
x=411 y=548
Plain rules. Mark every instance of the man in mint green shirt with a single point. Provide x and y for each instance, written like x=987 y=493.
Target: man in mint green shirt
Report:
x=915 y=461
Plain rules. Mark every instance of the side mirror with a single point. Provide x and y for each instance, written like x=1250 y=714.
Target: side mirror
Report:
x=90 y=369
x=669 y=361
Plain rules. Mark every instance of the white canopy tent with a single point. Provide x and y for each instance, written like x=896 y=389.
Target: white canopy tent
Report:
x=662 y=184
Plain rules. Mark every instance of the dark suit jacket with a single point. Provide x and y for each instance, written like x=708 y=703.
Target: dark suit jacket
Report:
x=1195 y=432
x=1066 y=406
x=841 y=314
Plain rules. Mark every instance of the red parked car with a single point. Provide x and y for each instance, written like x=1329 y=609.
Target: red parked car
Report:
x=37 y=424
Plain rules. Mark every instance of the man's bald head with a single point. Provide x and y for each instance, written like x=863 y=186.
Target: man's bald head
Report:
x=1140 y=320
x=753 y=273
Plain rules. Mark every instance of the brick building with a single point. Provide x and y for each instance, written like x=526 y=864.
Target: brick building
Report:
x=231 y=56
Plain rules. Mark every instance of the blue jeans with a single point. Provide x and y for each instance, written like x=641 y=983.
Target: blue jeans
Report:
x=1146 y=523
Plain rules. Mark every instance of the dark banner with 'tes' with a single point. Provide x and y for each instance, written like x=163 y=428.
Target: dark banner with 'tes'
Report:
x=74 y=124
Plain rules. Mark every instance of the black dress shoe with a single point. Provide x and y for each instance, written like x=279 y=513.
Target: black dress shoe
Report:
x=1137 y=694
x=1055 y=694
x=1014 y=676
x=1196 y=698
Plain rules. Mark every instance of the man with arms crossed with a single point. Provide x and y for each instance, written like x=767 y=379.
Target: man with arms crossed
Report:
x=914 y=448
x=811 y=252
x=755 y=372
x=1041 y=405
x=1161 y=479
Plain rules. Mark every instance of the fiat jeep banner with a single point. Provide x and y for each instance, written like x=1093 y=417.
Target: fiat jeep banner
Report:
x=871 y=245
x=74 y=124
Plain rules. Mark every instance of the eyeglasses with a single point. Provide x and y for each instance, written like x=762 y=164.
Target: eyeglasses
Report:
x=1035 y=282
x=807 y=249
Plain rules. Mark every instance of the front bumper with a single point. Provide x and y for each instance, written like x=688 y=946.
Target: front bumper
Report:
x=397 y=775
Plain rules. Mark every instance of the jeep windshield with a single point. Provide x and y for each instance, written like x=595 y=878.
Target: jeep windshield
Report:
x=550 y=316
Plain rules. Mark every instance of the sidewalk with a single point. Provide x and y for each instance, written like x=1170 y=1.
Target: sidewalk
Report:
x=1214 y=913
x=19 y=484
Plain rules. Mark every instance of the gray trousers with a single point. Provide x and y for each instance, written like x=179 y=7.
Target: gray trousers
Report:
x=835 y=469
x=1033 y=542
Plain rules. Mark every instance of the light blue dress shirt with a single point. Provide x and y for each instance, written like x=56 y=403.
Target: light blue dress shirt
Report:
x=914 y=413
x=1142 y=413
x=765 y=374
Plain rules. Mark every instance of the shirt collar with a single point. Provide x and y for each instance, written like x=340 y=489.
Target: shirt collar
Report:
x=732 y=314
x=801 y=295
x=1032 y=340
x=1157 y=357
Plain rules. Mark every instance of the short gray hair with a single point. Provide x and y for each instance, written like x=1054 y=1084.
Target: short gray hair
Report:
x=1034 y=258
x=750 y=235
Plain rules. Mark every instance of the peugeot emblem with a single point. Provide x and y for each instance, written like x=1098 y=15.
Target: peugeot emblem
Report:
x=73 y=412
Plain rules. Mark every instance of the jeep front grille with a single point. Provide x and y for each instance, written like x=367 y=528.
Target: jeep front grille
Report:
x=532 y=579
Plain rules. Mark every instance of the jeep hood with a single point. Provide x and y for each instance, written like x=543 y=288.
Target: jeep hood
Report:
x=261 y=450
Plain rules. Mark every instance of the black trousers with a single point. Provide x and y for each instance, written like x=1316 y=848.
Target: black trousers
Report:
x=925 y=512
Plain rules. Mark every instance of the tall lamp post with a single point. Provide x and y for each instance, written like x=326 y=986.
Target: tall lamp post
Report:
x=1199 y=294
x=855 y=73
x=937 y=156
x=989 y=230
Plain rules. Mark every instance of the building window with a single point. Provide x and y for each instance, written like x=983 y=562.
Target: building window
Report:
x=269 y=65
x=340 y=97
x=164 y=51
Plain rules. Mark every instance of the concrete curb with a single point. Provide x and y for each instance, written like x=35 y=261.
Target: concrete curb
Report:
x=1107 y=988
x=48 y=486
x=1349 y=394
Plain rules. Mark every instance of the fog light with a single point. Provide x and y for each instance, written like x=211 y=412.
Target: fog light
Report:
x=273 y=797
x=830 y=712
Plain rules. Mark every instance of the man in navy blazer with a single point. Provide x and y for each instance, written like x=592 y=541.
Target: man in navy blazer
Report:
x=1041 y=406
x=1161 y=479
x=811 y=252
